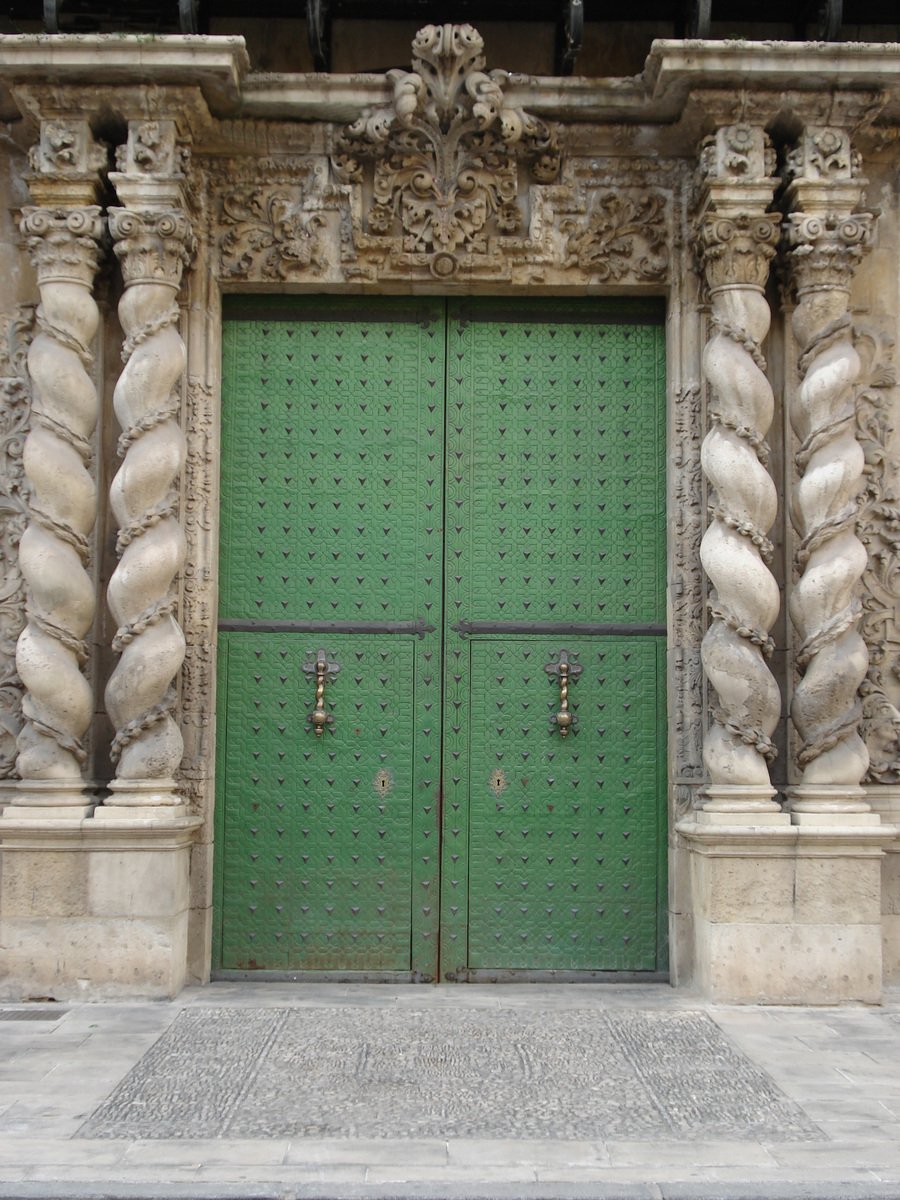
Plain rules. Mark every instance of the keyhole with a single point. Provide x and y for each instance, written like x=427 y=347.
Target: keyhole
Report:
x=383 y=784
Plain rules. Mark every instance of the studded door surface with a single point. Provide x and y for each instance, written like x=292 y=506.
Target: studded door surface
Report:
x=555 y=551
x=416 y=493
x=330 y=578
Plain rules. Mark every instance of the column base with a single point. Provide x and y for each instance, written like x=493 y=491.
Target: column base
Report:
x=94 y=911
x=141 y=800
x=740 y=804
x=826 y=798
x=786 y=914
x=50 y=800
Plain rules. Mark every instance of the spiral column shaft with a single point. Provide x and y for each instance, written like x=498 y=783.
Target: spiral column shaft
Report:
x=63 y=234
x=825 y=240
x=153 y=239
x=736 y=240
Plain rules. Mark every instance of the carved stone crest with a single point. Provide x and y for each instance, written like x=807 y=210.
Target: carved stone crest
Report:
x=445 y=154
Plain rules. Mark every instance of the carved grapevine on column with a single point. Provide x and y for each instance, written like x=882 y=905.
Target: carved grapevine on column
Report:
x=54 y=549
x=154 y=247
x=825 y=242
x=736 y=243
x=825 y=607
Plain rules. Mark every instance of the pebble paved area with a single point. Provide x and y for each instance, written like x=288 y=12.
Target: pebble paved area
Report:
x=510 y=1091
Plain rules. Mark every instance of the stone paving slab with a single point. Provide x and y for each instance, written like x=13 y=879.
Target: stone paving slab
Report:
x=834 y=1069
x=458 y=1073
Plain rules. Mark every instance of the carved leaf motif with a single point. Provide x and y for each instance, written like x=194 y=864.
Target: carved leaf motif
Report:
x=879 y=530
x=269 y=234
x=624 y=234
x=15 y=419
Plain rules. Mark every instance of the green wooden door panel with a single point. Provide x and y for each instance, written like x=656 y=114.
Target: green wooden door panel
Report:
x=318 y=830
x=332 y=450
x=442 y=497
x=563 y=840
x=331 y=461
x=555 y=541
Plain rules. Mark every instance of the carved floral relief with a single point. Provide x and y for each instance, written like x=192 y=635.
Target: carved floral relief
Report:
x=16 y=328
x=879 y=531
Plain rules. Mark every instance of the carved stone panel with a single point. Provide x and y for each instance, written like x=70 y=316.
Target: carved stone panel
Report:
x=15 y=417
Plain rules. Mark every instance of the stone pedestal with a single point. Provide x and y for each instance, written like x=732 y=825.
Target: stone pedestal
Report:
x=884 y=800
x=95 y=910
x=787 y=914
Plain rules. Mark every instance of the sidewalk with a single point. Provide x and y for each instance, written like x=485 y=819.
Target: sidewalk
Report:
x=507 y=1091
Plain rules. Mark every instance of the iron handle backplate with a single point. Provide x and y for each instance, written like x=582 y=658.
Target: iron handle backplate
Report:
x=318 y=666
x=566 y=671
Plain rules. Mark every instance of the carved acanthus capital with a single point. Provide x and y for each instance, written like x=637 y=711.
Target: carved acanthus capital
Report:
x=153 y=246
x=64 y=243
x=737 y=249
x=824 y=250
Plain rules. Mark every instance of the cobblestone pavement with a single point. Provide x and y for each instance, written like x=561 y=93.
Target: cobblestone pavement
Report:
x=510 y=1091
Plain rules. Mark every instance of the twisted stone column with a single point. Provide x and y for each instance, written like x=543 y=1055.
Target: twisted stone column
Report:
x=63 y=238
x=825 y=242
x=736 y=241
x=153 y=243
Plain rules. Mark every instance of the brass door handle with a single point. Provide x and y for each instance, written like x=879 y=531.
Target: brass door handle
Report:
x=319 y=666
x=566 y=671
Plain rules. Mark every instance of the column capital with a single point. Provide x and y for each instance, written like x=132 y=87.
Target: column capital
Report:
x=153 y=245
x=64 y=242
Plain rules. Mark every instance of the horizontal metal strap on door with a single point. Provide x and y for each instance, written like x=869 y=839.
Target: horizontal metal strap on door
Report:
x=416 y=628
x=552 y=628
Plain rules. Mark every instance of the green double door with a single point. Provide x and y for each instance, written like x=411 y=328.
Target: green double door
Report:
x=442 y=527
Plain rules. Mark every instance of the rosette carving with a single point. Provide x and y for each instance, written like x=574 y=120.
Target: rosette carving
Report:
x=54 y=549
x=825 y=607
x=735 y=549
x=153 y=246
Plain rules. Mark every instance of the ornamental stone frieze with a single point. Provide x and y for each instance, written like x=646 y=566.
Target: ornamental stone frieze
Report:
x=153 y=241
x=735 y=243
x=62 y=233
x=879 y=531
x=271 y=219
x=825 y=240
x=16 y=332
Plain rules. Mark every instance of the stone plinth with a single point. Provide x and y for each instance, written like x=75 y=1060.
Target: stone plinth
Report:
x=98 y=910
x=787 y=914
x=885 y=800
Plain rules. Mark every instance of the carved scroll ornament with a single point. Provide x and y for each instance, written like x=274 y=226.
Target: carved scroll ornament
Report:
x=445 y=153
